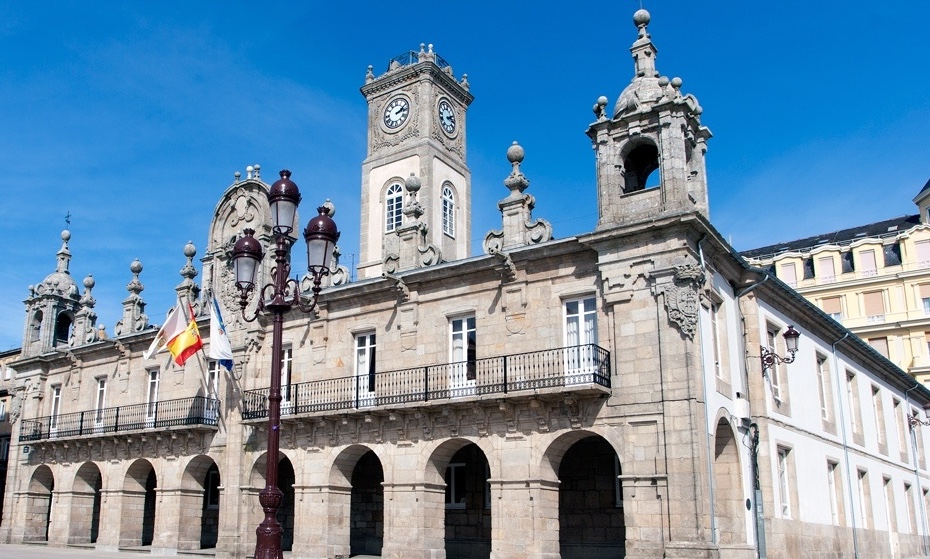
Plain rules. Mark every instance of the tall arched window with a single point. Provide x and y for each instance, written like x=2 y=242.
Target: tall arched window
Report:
x=394 y=204
x=448 y=211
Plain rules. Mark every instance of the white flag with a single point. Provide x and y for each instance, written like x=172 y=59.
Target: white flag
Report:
x=219 y=341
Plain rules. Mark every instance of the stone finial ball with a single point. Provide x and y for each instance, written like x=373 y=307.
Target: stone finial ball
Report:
x=641 y=17
x=330 y=207
x=602 y=101
x=249 y=169
x=136 y=266
x=676 y=82
x=413 y=183
x=515 y=153
x=89 y=282
x=190 y=250
x=663 y=81
x=66 y=235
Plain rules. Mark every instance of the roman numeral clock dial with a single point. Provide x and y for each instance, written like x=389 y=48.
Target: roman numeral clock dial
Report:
x=446 y=117
x=396 y=112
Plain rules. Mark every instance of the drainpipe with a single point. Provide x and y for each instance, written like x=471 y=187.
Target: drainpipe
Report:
x=920 y=499
x=711 y=493
x=759 y=524
x=849 y=484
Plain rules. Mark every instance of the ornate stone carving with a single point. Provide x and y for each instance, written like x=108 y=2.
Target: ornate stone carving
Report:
x=682 y=300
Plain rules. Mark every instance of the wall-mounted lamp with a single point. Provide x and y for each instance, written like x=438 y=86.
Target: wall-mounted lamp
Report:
x=770 y=358
x=916 y=421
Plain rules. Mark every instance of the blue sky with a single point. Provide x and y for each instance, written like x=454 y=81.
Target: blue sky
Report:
x=133 y=116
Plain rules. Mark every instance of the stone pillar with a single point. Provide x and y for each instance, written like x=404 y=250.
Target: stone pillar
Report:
x=129 y=515
x=414 y=521
x=58 y=519
x=322 y=523
x=525 y=519
x=80 y=515
x=111 y=513
x=188 y=517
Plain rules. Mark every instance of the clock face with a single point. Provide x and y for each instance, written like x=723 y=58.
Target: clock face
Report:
x=396 y=112
x=446 y=117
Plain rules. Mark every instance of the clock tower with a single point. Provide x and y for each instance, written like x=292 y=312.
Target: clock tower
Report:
x=416 y=126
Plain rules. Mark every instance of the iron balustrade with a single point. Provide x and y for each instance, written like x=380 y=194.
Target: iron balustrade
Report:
x=567 y=367
x=198 y=410
x=412 y=57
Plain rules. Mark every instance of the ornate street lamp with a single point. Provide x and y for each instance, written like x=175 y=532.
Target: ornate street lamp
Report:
x=279 y=296
x=770 y=358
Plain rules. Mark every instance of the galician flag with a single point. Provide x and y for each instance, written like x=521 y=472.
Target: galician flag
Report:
x=179 y=334
x=220 y=350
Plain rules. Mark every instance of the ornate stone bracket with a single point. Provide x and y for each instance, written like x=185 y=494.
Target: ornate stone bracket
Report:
x=682 y=299
x=402 y=290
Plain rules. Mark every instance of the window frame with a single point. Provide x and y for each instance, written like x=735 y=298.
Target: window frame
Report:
x=448 y=210
x=393 y=206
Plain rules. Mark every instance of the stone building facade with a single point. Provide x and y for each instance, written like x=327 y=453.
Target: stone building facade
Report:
x=597 y=396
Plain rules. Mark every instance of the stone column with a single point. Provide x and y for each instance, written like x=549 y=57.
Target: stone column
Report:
x=322 y=523
x=108 y=538
x=414 y=521
x=129 y=516
x=524 y=519
x=188 y=517
x=80 y=517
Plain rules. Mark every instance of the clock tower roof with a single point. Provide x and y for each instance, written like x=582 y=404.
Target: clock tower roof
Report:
x=411 y=65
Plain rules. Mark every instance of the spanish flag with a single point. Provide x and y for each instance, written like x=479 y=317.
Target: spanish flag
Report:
x=179 y=335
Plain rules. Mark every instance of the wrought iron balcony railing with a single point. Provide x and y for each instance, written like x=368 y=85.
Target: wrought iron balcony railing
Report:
x=194 y=411
x=571 y=368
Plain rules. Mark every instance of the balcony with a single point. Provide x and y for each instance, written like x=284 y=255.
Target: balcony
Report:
x=196 y=412
x=580 y=369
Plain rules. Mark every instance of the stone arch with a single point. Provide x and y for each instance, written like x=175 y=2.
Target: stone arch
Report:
x=287 y=477
x=84 y=522
x=35 y=326
x=138 y=511
x=39 y=504
x=465 y=501
x=590 y=495
x=63 y=326
x=198 y=527
x=356 y=502
x=729 y=501
x=640 y=159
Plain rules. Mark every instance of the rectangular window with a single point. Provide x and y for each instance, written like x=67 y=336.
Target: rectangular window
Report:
x=463 y=348
x=365 y=360
x=901 y=427
x=287 y=381
x=852 y=401
x=212 y=489
x=4 y=449
x=777 y=372
x=879 y=410
x=833 y=488
x=833 y=306
x=891 y=517
x=101 y=401
x=788 y=273
x=213 y=379
x=865 y=499
x=825 y=269
x=784 y=482
x=823 y=386
x=152 y=395
x=455 y=486
x=924 y=294
x=880 y=345
x=923 y=253
x=581 y=359
x=921 y=459
x=718 y=321
x=867 y=265
x=8 y=374
x=874 y=304
x=911 y=509
x=2 y=410
x=56 y=406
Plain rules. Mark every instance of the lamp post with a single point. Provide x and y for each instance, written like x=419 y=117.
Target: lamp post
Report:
x=280 y=296
x=770 y=358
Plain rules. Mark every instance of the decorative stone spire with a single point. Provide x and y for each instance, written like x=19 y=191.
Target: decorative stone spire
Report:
x=413 y=250
x=188 y=291
x=64 y=255
x=519 y=229
x=134 y=318
x=644 y=52
x=52 y=307
x=85 y=320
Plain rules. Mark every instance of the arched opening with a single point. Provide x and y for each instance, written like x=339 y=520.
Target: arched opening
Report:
x=35 y=326
x=63 y=329
x=199 y=525
x=468 y=504
x=591 y=523
x=366 y=509
x=729 y=504
x=85 y=505
x=39 y=505
x=286 y=481
x=137 y=514
x=638 y=167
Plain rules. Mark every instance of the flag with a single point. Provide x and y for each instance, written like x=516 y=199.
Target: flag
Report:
x=174 y=325
x=219 y=341
x=188 y=342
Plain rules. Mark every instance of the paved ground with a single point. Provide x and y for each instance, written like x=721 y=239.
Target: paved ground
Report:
x=38 y=551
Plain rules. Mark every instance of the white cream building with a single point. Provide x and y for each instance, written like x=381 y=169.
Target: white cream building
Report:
x=593 y=396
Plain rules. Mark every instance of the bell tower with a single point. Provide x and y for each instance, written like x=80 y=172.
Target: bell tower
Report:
x=416 y=126
x=650 y=150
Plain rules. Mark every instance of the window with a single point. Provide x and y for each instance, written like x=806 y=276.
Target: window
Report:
x=464 y=345
x=56 y=406
x=448 y=211
x=901 y=427
x=101 y=400
x=874 y=304
x=865 y=499
x=923 y=294
x=580 y=338
x=852 y=401
x=826 y=269
x=921 y=459
x=879 y=410
x=4 y=449
x=823 y=386
x=394 y=202
x=152 y=397
x=911 y=512
x=833 y=306
x=365 y=368
x=213 y=379
x=287 y=386
x=8 y=374
x=784 y=482
x=777 y=372
x=880 y=345
x=923 y=253
x=891 y=516
x=2 y=410
x=788 y=273
x=867 y=263
x=211 y=497
x=455 y=486
x=833 y=485
x=718 y=321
